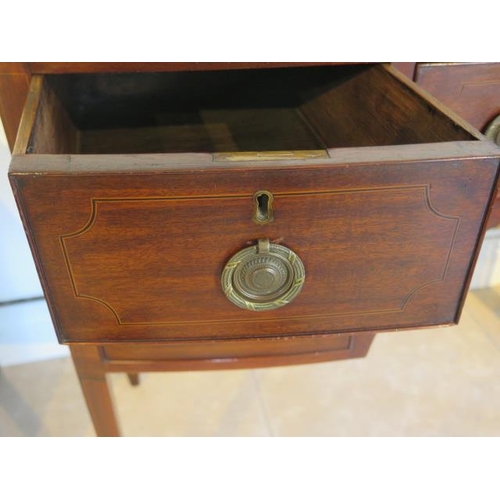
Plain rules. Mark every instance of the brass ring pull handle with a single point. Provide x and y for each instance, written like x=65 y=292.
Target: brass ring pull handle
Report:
x=263 y=277
x=493 y=131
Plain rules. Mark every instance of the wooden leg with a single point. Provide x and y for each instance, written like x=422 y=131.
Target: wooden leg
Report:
x=90 y=369
x=133 y=378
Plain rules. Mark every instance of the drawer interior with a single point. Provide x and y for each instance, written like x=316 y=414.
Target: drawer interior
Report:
x=307 y=108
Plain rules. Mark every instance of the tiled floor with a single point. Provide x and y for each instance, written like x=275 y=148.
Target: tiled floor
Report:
x=442 y=382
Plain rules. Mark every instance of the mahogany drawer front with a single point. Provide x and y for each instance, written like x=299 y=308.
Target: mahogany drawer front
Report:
x=131 y=247
x=470 y=89
x=227 y=354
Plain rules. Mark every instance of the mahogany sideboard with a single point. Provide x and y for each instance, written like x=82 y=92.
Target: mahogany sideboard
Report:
x=191 y=216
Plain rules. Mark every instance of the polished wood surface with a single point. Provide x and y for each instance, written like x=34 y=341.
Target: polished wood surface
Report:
x=252 y=110
x=139 y=256
x=92 y=375
x=407 y=68
x=56 y=133
x=228 y=354
x=134 y=378
x=143 y=260
x=471 y=89
x=132 y=211
x=14 y=84
x=15 y=78
x=377 y=108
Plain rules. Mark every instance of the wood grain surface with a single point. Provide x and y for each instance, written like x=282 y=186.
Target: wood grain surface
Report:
x=14 y=84
x=224 y=355
x=132 y=247
x=90 y=369
x=385 y=246
x=470 y=89
x=15 y=78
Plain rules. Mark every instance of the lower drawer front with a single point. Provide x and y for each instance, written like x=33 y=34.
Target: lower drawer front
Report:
x=236 y=353
x=140 y=257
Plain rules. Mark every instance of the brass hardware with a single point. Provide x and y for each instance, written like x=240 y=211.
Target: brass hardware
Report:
x=493 y=131
x=263 y=277
x=272 y=155
x=263 y=207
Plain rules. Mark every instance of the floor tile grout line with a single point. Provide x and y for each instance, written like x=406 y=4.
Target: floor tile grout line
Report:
x=262 y=404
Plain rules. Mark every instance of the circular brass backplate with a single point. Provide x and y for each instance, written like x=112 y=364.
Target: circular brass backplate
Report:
x=492 y=131
x=263 y=277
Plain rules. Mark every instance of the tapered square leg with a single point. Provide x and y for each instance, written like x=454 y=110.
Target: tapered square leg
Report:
x=90 y=369
x=133 y=378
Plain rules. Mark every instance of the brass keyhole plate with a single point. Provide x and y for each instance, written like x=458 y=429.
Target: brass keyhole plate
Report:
x=263 y=207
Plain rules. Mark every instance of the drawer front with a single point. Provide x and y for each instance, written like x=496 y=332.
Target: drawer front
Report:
x=140 y=256
x=226 y=354
x=472 y=90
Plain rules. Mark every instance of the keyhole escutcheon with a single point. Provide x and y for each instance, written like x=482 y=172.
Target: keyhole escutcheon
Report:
x=263 y=207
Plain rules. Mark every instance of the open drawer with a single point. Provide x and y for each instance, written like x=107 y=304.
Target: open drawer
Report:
x=249 y=203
